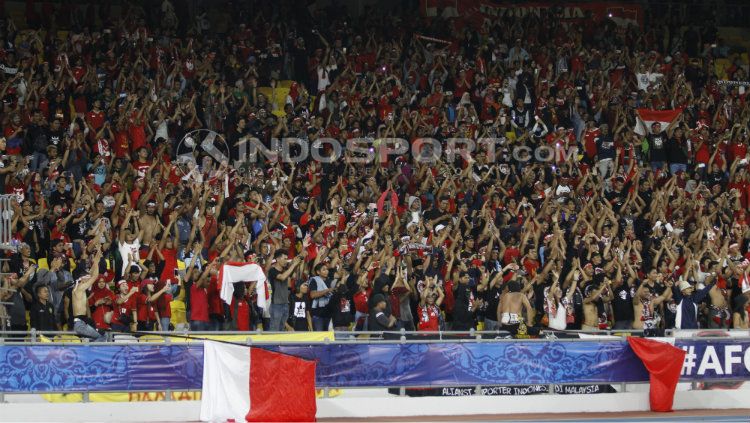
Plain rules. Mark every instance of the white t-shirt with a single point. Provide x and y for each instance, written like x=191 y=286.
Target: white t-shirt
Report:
x=126 y=250
x=324 y=77
x=558 y=320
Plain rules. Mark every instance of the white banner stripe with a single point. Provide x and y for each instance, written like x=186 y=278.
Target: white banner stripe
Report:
x=226 y=382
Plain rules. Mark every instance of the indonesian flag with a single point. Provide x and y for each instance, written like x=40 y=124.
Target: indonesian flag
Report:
x=664 y=364
x=232 y=272
x=649 y=117
x=252 y=384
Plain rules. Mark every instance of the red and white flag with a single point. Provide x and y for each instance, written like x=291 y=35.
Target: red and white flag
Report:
x=649 y=117
x=664 y=363
x=252 y=384
x=232 y=272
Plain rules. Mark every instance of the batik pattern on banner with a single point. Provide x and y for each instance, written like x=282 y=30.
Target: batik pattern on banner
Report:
x=159 y=367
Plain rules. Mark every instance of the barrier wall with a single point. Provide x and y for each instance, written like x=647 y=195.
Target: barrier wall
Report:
x=154 y=367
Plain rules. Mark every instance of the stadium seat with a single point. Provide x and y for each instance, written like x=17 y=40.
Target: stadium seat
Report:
x=151 y=338
x=67 y=338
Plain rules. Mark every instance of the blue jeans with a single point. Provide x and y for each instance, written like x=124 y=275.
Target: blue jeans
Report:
x=85 y=330
x=657 y=165
x=37 y=159
x=490 y=325
x=164 y=323
x=677 y=167
x=199 y=326
x=320 y=324
x=279 y=315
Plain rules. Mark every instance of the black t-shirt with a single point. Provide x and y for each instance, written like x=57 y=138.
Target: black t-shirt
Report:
x=657 y=144
x=298 y=309
x=492 y=298
x=341 y=308
x=463 y=316
x=605 y=147
x=77 y=230
x=433 y=214
x=378 y=321
x=677 y=151
x=55 y=137
x=622 y=303
x=42 y=316
x=62 y=198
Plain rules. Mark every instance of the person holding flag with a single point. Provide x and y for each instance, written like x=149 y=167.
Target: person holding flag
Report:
x=654 y=144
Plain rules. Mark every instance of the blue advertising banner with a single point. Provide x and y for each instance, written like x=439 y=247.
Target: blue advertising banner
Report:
x=715 y=359
x=153 y=367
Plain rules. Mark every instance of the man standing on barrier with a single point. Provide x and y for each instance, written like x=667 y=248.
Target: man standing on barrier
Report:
x=513 y=304
x=82 y=323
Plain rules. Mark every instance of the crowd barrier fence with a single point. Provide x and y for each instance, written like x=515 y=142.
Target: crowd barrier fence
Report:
x=173 y=362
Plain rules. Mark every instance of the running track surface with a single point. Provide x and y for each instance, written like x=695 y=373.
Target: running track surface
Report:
x=740 y=415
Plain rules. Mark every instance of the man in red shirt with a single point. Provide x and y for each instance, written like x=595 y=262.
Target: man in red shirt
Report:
x=199 y=320
x=124 y=316
x=163 y=303
x=428 y=311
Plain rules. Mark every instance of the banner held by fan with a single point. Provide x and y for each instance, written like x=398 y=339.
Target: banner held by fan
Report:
x=232 y=272
x=648 y=117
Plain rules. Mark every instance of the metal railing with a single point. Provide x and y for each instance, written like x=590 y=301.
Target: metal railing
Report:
x=33 y=336
x=6 y=218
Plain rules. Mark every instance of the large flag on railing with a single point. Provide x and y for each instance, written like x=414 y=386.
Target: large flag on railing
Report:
x=232 y=272
x=664 y=364
x=649 y=117
x=252 y=384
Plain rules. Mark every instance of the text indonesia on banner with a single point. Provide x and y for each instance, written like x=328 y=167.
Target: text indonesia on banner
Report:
x=252 y=384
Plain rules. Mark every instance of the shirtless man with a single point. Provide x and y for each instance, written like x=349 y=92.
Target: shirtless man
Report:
x=646 y=301
x=82 y=323
x=595 y=295
x=719 y=315
x=150 y=224
x=511 y=306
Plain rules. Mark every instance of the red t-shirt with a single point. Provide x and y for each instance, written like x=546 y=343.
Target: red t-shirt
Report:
x=98 y=314
x=170 y=263
x=146 y=310
x=125 y=308
x=243 y=313
x=429 y=318
x=198 y=304
x=360 y=301
x=121 y=146
x=510 y=254
x=137 y=135
x=215 y=304
x=96 y=119
x=141 y=167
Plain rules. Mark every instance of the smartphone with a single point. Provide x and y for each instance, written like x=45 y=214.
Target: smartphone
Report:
x=176 y=273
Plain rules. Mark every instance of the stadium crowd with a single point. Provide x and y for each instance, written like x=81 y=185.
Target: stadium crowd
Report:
x=113 y=232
